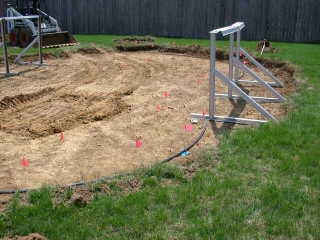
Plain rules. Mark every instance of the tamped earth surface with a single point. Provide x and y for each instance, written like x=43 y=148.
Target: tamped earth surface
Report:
x=93 y=115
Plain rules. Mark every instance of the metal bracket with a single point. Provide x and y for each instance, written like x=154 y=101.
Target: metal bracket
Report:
x=38 y=40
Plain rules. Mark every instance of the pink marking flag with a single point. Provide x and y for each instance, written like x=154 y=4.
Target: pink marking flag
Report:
x=159 y=108
x=166 y=94
x=62 y=137
x=123 y=65
x=139 y=143
x=25 y=162
x=245 y=62
x=188 y=128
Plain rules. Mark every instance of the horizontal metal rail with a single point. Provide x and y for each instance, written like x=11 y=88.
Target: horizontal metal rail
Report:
x=257 y=99
x=235 y=120
x=253 y=82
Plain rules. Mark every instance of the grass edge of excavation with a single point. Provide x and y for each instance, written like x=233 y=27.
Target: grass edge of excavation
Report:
x=263 y=183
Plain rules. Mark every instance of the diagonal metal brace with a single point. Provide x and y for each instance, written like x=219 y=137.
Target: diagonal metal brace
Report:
x=262 y=68
x=256 y=77
x=245 y=96
x=17 y=59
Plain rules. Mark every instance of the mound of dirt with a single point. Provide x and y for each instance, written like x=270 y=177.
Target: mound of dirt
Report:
x=91 y=50
x=192 y=50
x=33 y=236
x=132 y=44
x=135 y=40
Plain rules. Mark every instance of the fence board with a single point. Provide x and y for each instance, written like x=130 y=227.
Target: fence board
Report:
x=281 y=20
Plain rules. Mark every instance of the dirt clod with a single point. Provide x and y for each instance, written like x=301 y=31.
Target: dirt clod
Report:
x=81 y=197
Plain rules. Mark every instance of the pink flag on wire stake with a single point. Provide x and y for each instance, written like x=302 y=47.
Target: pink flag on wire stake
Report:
x=25 y=162
x=166 y=94
x=188 y=128
x=139 y=143
x=62 y=137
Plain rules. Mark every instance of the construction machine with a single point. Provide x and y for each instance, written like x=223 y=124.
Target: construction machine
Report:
x=22 y=32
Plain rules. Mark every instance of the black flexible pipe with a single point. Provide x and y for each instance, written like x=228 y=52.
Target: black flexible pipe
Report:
x=77 y=184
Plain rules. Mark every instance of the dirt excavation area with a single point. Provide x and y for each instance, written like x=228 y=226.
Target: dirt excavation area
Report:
x=85 y=116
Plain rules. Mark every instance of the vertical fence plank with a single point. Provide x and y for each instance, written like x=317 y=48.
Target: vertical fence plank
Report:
x=280 y=20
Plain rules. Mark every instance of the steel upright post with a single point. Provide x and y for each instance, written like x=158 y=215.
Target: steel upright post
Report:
x=231 y=67
x=5 y=49
x=212 y=78
x=238 y=54
x=40 y=41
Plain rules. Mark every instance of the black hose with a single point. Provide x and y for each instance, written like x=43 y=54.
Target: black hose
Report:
x=77 y=184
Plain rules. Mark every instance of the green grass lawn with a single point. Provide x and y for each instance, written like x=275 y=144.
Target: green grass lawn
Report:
x=266 y=185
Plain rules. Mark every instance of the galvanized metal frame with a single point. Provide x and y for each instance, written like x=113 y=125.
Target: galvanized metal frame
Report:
x=233 y=78
x=38 y=39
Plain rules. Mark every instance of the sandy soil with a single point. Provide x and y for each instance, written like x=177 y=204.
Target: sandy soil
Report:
x=103 y=103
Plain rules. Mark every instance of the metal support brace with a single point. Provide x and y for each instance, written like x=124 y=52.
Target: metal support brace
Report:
x=243 y=121
x=257 y=99
x=246 y=97
x=277 y=82
x=40 y=41
x=233 y=78
x=253 y=82
x=238 y=54
x=255 y=76
x=212 y=78
x=37 y=39
x=4 y=44
x=17 y=59
x=231 y=67
x=7 y=72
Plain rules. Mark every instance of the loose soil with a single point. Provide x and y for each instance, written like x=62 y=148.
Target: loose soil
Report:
x=103 y=102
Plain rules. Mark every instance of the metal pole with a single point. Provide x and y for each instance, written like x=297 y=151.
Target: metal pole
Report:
x=5 y=50
x=40 y=41
x=212 y=78
x=238 y=54
x=231 y=68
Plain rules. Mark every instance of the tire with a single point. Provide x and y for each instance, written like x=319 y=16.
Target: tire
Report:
x=14 y=37
x=25 y=38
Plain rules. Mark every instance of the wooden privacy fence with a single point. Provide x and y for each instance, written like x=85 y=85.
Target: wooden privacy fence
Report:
x=282 y=20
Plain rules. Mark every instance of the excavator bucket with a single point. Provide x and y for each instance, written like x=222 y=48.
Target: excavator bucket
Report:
x=58 y=39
